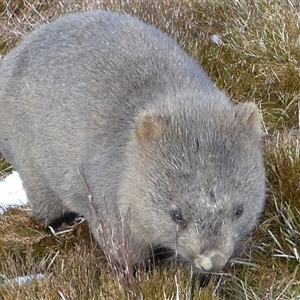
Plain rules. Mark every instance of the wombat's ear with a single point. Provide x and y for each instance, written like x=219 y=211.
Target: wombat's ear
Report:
x=149 y=127
x=250 y=115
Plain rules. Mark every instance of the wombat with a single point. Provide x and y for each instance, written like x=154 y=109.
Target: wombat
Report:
x=101 y=103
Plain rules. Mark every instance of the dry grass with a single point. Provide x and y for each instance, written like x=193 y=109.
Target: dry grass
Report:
x=258 y=60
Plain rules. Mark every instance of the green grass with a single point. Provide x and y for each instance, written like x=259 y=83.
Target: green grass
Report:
x=257 y=61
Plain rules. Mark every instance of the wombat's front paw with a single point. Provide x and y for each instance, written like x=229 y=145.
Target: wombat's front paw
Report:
x=69 y=218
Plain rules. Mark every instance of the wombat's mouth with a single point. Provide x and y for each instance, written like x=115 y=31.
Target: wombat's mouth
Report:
x=209 y=262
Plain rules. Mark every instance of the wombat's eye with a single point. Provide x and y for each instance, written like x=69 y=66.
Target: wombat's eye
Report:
x=239 y=211
x=177 y=217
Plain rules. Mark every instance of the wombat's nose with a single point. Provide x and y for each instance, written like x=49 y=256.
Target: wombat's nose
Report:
x=214 y=261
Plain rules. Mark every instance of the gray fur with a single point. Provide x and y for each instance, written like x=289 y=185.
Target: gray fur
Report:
x=149 y=129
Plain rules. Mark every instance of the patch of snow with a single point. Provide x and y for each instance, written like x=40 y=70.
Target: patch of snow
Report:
x=215 y=39
x=12 y=192
x=23 y=279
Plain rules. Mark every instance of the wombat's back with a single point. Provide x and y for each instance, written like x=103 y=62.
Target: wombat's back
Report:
x=89 y=70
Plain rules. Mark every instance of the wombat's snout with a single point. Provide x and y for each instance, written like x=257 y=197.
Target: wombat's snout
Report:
x=210 y=262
